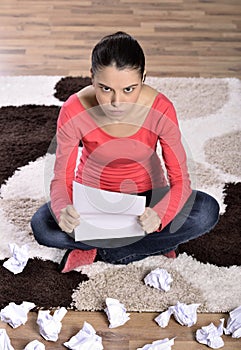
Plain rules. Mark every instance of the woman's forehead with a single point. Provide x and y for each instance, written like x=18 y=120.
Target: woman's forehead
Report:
x=111 y=76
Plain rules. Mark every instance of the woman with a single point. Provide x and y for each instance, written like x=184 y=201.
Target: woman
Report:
x=120 y=120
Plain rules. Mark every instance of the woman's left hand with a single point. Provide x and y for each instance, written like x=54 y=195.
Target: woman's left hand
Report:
x=149 y=220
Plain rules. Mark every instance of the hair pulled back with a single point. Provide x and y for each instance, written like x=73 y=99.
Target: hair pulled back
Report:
x=119 y=49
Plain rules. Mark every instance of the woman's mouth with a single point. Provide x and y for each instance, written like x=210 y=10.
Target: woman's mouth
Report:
x=116 y=111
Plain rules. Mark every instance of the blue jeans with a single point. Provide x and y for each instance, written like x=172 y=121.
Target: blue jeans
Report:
x=198 y=216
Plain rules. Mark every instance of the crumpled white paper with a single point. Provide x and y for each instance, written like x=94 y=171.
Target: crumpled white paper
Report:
x=19 y=258
x=211 y=335
x=35 y=345
x=85 y=339
x=50 y=325
x=5 y=343
x=164 y=344
x=234 y=323
x=185 y=314
x=116 y=313
x=16 y=315
x=159 y=278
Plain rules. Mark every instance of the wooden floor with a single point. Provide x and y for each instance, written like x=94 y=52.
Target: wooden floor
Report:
x=188 y=38
x=138 y=331
x=179 y=37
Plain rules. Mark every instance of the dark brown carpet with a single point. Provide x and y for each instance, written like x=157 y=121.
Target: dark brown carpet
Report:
x=26 y=133
x=222 y=245
x=39 y=283
x=70 y=85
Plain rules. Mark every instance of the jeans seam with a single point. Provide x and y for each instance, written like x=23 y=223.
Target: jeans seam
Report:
x=122 y=260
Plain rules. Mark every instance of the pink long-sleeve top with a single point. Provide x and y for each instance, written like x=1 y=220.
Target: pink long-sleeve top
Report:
x=121 y=164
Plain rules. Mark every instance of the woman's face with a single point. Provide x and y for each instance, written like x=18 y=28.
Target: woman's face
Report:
x=117 y=90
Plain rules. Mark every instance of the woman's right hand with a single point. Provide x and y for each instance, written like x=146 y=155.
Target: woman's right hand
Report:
x=69 y=219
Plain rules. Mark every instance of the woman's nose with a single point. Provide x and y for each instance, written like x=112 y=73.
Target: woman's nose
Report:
x=115 y=101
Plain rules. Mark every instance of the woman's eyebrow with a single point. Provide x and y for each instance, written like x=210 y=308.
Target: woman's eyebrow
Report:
x=132 y=85
x=103 y=85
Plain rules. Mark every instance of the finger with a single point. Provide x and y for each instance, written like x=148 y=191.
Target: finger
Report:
x=66 y=226
x=143 y=219
x=150 y=226
x=71 y=211
x=144 y=226
x=146 y=213
x=71 y=221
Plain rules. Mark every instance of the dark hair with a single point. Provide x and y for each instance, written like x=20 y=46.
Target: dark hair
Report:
x=118 y=49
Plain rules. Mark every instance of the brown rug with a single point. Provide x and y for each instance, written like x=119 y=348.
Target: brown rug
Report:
x=26 y=134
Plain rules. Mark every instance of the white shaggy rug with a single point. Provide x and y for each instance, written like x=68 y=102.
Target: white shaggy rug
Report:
x=209 y=112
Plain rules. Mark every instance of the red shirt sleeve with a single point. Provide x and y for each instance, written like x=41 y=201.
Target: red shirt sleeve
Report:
x=174 y=157
x=65 y=163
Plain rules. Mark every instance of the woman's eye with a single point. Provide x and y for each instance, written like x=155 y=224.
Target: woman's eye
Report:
x=105 y=89
x=128 y=89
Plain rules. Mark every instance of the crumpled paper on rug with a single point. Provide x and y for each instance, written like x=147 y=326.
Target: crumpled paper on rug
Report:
x=5 y=343
x=234 y=323
x=160 y=279
x=19 y=258
x=164 y=344
x=185 y=314
x=116 y=313
x=85 y=339
x=35 y=345
x=50 y=325
x=211 y=335
x=16 y=315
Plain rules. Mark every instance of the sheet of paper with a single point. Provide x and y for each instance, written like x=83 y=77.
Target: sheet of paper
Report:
x=19 y=258
x=35 y=345
x=85 y=339
x=164 y=344
x=211 y=335
x=159 y=278
x=234 y=323
x=105 y=214
x=116 y=313
x=5 y=343
x=50 y=325
x=16 y=315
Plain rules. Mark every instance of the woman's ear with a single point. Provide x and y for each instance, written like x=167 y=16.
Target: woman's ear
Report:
x=144 y=77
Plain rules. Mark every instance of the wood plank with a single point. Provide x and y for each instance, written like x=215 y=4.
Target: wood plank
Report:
x=129 y=336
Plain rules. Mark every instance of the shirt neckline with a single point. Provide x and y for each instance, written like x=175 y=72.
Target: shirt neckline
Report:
x=119 y=137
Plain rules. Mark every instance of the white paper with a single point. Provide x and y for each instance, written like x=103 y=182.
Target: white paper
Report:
x=5 y=343
x=185 y=314
x=116 y=313
x=106 y=214
x=211 y=335
x=234 y=323
x=16 y=315
x=85 y=339
x=160 y=279
x=50 y=325
x=164 y=344
x=163 y=319
x=19 y=258
x=35 y=345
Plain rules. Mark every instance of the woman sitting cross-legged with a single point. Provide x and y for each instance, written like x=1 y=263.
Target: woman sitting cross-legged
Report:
x=120 y=121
